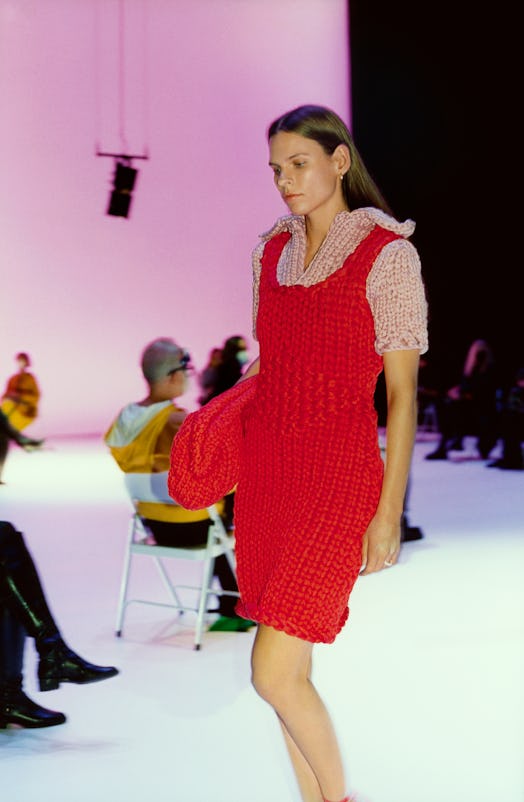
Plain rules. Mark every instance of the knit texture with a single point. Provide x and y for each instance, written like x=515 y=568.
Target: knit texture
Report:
x=311 y=470
x=206 y=450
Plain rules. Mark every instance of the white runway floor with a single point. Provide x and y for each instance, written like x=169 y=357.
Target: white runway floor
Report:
x=425 y=683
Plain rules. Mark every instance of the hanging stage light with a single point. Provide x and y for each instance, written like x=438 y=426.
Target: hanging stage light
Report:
x=124 y=176
x=124 y=179
x=123 y=185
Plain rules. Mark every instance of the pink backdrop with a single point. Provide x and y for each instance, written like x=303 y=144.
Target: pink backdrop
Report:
x=81 y=291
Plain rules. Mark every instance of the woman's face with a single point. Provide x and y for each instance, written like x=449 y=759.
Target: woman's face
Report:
x=306 y=177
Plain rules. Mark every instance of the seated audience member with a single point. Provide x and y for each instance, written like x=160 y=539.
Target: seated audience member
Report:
x=469 y=408
x=140 y=441
x=208 y=377
x=229 y=369
x=407 y=531
x=511 y=427
x=7 y=433
x=24 y=612
x=233 y=360
x=21 y=395
x=429 y=388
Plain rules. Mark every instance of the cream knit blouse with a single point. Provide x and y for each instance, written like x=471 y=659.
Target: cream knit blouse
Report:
x=394 y=288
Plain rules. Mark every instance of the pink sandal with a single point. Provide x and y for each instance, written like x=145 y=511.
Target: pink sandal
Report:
x=346 y=799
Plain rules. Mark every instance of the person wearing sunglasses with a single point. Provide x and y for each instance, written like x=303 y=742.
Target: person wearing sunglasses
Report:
x=140 y=440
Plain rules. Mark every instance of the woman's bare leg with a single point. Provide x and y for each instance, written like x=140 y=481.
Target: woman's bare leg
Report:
x=281 y=666
x=307 y=782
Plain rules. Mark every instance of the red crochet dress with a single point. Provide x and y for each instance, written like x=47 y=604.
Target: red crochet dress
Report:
x=311 y=470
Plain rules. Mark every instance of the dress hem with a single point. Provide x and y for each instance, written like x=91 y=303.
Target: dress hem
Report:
x=253 y=613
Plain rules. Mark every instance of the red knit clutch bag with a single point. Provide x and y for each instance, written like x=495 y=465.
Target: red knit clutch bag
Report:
x=206 y=450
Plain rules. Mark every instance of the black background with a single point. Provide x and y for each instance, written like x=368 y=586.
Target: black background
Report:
x=433 y=115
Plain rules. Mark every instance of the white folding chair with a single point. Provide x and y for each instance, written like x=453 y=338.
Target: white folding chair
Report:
x=141 y=543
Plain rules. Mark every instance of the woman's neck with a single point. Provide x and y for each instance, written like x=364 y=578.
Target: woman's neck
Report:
x=317 y=229
x=319 y=222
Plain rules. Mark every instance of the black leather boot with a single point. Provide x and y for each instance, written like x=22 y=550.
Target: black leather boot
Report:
x=15 y=707
x=21 y=587
x=18 y=709
x=58 y=663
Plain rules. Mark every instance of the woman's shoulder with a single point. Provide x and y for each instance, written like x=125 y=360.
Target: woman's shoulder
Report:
x=397 y=262
x=399 y=255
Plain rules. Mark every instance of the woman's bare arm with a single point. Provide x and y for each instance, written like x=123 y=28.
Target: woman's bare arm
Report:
x=382 y=539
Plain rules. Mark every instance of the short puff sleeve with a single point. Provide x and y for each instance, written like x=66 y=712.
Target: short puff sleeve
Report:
x=396 y=295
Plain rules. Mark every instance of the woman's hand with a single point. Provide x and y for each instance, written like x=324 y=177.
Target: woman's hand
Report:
x=381 y=545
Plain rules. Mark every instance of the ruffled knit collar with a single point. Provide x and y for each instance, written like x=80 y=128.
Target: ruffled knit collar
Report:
x=346 y=232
